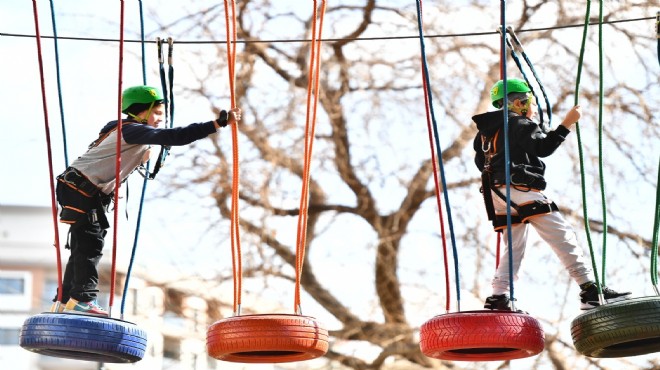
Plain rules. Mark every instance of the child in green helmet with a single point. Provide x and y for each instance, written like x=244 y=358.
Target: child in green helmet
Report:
x=529 y=206
x=85 y=188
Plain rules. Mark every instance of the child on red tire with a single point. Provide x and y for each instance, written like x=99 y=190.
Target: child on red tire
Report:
x=529 y=206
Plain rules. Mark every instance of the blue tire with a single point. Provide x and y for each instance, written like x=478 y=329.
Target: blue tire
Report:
x=83 y=337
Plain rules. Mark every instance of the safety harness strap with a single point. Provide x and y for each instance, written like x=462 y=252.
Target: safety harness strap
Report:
x=525 y=211
x=79 y=182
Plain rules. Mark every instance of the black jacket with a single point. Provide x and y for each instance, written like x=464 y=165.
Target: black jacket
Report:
x=527 y=144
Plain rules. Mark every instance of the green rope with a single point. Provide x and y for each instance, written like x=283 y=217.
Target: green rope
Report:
x=600 y=138
x=580 y=152
x=656 y=229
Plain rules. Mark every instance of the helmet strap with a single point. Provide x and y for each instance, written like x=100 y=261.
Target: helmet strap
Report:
x=524 y=109
x=143 y=120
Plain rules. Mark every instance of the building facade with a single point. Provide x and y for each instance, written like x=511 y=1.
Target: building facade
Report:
x=175 y=320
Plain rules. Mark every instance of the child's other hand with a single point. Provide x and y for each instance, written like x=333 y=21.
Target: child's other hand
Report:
x=146 y=156
x=234 y=116
x=572 y=117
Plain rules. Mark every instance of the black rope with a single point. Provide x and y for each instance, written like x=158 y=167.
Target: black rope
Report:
x=516 y=59
x=168 y=96
x=518 y=45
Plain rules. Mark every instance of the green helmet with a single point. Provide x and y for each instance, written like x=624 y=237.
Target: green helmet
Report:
x=513 y=85
x=140 y=95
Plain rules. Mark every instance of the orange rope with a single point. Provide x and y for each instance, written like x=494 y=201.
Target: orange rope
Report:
x=312 y=88
x=237 y=264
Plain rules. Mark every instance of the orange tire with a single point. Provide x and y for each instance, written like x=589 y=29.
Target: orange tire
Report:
x=266 y=339
x=481 y=336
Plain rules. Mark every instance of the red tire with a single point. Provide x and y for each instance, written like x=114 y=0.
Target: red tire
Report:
x=266 y=339
x=481 y=336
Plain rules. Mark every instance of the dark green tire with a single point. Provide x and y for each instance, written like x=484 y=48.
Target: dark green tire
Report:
x=620 y=329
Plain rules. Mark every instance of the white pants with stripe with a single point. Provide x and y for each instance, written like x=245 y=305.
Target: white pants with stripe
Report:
x=551 y=227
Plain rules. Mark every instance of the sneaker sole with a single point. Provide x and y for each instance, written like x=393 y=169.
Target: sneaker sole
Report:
x=86 y=313
x=593 y=304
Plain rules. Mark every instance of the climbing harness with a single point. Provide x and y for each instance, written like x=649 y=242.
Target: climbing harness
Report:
x=532 y=182
x=271 y=338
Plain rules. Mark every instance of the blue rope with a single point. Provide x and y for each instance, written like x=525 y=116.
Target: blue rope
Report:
x=144 y=182
x=507 y=157
x=59 y=83
x=439 y=151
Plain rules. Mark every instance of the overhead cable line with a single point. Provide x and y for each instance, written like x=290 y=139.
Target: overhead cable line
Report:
x=375 y=38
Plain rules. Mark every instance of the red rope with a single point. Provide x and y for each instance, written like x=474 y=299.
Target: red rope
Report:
x=118 y=159
x=437 y=184
x=237 y=264
x=310 y=127
x=437 y=195
x=50 y=153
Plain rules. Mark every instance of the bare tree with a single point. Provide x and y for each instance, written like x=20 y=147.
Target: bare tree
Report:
x=371 y=166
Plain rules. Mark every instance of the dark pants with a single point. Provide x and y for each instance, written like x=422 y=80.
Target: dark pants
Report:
x=86 y=239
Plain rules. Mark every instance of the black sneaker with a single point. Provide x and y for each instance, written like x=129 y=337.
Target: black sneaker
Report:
x=500 y=302
x=589 y=296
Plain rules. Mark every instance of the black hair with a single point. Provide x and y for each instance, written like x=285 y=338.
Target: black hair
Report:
x=137 y=108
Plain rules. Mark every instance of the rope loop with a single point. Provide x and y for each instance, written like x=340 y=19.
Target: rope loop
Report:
x=310 y=127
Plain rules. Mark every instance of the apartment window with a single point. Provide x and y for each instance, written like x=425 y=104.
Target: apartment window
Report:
x=9 y=336
x=12 y=285
x=171 y=348
x=49 y=292
x=15 y=290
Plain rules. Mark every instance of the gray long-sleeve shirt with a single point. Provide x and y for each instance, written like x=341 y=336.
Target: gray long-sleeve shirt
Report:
x=98 y=163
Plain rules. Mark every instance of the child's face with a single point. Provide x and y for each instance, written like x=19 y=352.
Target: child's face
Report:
x=528 y=107
x=157 y=115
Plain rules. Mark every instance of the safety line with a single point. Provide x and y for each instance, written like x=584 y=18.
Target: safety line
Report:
x=516 y=59
x=168 y=97
x=310 y=128
x=519 y=45
x=429 y=97
x=59 y=84
x=170 y=77
x=375 y=38
x=118 y=159
x=161 y=73
x=49 y=149
x=144 y=183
